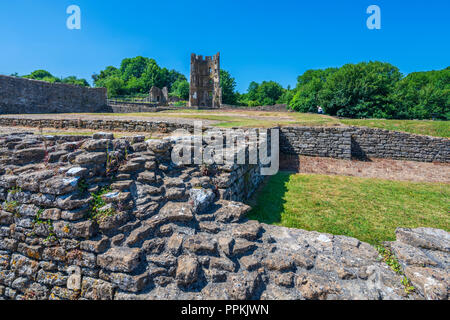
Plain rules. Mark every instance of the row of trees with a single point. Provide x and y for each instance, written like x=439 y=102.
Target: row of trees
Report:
x=137 y=75
x=374 y=90
x=363 y=90
x=44 y=75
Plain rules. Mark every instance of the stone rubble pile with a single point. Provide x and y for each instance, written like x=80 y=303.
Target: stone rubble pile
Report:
x=104 y=218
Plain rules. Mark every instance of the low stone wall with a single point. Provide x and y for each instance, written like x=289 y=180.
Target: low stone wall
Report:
x=19 y=95
x=336 y=142
x=377 y=143
x=274 y=108
x=363 y=143
x=316 y=141
x=98 y=218
x=112 y=125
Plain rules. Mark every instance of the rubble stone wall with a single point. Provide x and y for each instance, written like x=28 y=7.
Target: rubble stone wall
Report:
x=103 y=218
x=363 y=143
x=19 y=95
x=335 y=142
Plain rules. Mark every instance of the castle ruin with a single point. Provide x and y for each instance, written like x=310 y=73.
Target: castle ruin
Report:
x=205 y=90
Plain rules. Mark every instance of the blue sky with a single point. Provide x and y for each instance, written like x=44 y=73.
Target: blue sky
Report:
x=258 y=40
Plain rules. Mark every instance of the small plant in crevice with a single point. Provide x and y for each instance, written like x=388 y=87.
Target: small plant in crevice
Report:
x=82 y=185
x=15 y=190
x=11 y=206
x=391 y=260
x=112 y=162
x=49 y=223
x=96 y=212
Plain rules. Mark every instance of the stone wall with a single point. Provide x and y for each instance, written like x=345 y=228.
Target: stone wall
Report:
x=337 y=142
x=19 y=95
x=316 y=141
x=103 y=218
x=273 y=108
x=363 y=143
x=377 y=143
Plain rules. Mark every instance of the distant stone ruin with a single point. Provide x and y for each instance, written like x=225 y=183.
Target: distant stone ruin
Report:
x=205 y=90
x=159 y=96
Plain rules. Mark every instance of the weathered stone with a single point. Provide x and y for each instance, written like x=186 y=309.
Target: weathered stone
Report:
x=231 y=211
x=278 y=262
x=110 y=223
x=139 y=234
x=249 y=231
x=427 y=238
x=243 y=285
x=6 y=218
x=432 y=283
x=202 y=199
x=250 y=263
x=125 y=281
x=147 y=177
x=200 y=244
x=410 y=255
x=120 y=259
x=51 y=214
x=103 y=135
x=176 y=211
x=223 y=264
x=96 y=246
x=187 y=270
x=242 y=246
x=81 y=258
x=24 y=266
x=92 y=158
x=315 y=287
x=95 y=289
x=174 y=243
x=85 y=229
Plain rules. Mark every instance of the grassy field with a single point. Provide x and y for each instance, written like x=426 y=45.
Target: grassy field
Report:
x=365 y=208
x=426 y=127
x=242 y=118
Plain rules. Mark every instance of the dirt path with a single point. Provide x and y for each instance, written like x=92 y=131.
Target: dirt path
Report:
x=376 y=168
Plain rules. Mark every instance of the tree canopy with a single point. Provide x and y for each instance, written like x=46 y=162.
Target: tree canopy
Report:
x=137 y=76
x=44 y=75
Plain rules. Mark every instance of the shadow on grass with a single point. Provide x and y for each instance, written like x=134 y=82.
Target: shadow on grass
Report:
x=270 y=201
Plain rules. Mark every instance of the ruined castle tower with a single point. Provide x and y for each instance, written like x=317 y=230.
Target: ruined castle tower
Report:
x=205 y=90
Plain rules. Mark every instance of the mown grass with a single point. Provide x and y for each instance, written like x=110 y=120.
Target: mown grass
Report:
x=425 y=127
x=365 y=208
x=265 y=119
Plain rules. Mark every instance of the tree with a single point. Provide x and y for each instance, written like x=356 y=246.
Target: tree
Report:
x=361 y=90
x=423 y=95
x=306 y=94
x=139 y=74
x=228 y=85
x=180 y=89
x=44 y=75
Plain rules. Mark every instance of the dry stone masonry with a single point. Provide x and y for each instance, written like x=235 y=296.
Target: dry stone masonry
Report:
x=336 y=142
x=102 y=218
x=19 y=95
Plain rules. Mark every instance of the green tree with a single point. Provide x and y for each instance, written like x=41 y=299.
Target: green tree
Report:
x=228 y=85
x=306 y=94
x=423 y=95
x=361 y=90
x=180 y=89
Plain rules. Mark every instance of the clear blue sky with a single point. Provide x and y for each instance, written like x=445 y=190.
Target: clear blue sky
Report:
x=258 y=40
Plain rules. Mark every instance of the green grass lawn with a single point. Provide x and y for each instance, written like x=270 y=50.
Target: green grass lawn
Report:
x=248 y=119
x=367 y=209
x=426 y=127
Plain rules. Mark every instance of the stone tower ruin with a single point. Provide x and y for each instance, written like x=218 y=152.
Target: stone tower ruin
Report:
x=205 y=90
